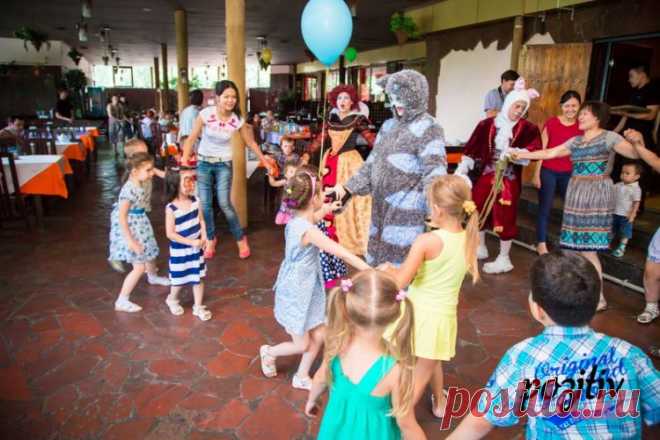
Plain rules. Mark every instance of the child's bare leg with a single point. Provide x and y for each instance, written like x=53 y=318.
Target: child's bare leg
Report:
x=423 y=371
x=198 y=293
x=437 y=388
x=297 y=345
x=123 y=303
x=315 y=343
x=131 y=281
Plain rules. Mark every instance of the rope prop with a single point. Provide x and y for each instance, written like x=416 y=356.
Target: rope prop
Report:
x=500 y=167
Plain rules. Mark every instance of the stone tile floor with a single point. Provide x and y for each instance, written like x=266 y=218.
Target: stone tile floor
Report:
x=72 y=368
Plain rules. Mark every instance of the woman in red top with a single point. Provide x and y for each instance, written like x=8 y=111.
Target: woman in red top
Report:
x=554 y=174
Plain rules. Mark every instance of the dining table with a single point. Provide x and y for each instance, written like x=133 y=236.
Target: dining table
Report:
x=40 y=175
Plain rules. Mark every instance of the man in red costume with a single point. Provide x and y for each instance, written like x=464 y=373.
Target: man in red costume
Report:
x=493 y=139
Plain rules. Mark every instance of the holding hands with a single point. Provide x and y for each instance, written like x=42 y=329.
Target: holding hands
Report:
x=634 y=137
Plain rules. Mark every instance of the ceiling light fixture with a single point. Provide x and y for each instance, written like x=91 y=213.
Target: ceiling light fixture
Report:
x=146 y=9
x=86 y=8
x=82 y=32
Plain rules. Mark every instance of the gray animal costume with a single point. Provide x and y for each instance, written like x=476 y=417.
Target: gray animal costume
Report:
x=408 y=153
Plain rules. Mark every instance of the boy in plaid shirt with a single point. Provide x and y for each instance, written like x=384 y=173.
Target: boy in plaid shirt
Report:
x=571 y=364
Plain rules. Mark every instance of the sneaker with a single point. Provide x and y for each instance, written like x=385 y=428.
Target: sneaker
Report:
x=301 y=384
x=117 y=266
x=619 y=251
x=482 y=252
x=500 y=265
x=124 y=305
x=157 y=280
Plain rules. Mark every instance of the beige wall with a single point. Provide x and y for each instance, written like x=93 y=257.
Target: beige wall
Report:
x=465 y=78
x=12 y=49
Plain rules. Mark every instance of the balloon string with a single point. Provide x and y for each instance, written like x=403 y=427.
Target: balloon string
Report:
x=323 y=127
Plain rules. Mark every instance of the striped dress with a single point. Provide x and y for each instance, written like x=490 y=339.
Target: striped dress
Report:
x=186 y=262
x=589 y=203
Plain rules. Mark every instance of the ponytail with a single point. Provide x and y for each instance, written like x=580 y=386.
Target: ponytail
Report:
x=338 y=329
x=471 y=244
x=401 y=348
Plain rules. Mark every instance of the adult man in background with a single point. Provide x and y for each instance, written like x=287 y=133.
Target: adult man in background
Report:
x=495 y=98
x=189 y=115
x=63 y=107
x=13 y=133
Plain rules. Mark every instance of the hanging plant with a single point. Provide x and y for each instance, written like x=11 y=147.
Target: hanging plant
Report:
x=75 y=55
x=404 y=27
x=265 y=57
x=36 y=38
x=75 y=79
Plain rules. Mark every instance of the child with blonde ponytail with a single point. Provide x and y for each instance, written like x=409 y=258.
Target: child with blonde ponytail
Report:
x=435 y=268
x=371 y=379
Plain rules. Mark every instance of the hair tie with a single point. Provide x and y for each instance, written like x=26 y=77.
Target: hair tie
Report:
x=469 y=207
x=401 y=295
x=346 y=285
x=291 y=203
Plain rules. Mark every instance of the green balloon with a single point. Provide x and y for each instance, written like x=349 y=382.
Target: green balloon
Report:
x=350 y=54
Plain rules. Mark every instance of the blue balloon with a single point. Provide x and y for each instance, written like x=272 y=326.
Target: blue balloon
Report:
x=326 y=26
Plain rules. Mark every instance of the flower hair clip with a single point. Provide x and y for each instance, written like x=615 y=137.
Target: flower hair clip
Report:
x=289 y=191
x=346 y=285
x=469 y=207
x=401 y=295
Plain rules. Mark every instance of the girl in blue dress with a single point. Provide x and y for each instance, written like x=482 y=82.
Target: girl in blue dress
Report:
x=131 y=235
x=299 y=291
x=184 y=226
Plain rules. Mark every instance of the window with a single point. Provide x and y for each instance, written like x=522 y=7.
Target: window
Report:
x=123 y=76
x=142 y=77
x=255 y=77
x=102 y=76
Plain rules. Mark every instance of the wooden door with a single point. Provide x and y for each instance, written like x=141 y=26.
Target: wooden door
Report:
x=552 y=69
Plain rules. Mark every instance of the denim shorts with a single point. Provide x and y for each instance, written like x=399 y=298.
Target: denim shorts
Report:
x=654 y=248
x=621 y=226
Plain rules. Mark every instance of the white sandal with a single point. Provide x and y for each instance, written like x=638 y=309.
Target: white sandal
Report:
x=301 y=384
x=648 y=316
x=175 y=307
x=268 y=366
x=124 y=305
x=202 y=312
x=433 y=411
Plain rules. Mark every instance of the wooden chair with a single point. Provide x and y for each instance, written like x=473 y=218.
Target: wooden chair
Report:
x=12 y=203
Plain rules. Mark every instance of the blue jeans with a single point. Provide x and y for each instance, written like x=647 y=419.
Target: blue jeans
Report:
x=221 y=172
x=551 y=181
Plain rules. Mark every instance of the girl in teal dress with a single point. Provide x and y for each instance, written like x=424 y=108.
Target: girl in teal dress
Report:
x=370 y=379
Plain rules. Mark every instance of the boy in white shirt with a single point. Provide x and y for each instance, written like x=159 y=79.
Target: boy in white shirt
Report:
x=627 y=195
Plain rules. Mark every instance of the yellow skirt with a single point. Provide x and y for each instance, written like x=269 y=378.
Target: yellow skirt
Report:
x=435 y=333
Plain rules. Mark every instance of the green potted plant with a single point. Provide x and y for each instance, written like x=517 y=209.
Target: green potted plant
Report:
x=404 y=27
x=75 y=55
x=36 y=38
x=76 y=81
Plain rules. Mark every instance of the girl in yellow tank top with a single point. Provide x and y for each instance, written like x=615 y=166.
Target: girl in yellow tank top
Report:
x=434 y=271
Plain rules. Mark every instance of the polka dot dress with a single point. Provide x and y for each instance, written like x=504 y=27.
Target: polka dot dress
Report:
x=332 y=267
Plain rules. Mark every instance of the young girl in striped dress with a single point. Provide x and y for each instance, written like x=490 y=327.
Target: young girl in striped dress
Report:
x=184 y=225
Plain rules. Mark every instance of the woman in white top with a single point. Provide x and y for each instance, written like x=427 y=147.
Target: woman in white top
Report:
x=216 y=125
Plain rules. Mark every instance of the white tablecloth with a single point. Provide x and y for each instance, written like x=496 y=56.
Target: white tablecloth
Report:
x=29 y=166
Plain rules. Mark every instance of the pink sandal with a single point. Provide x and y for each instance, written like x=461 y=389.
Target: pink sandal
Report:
x=243 y=248
x=209 y=252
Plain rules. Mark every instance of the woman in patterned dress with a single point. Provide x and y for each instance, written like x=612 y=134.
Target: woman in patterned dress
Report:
x=587 y=222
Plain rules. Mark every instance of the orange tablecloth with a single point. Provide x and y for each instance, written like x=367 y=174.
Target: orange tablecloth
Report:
x=42 y=174
x=88 y=141
x=73 y=151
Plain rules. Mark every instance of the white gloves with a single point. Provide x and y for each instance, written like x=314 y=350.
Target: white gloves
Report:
x=464 y=167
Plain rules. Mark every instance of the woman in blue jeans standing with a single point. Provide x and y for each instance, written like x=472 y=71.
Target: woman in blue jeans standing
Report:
x=553 y=175
x=216 y=125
